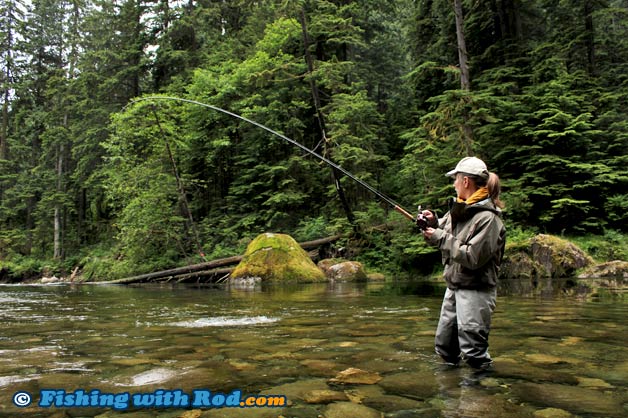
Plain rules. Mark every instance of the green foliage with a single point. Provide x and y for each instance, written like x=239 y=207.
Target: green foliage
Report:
x=22 y=268
x=609 y=246
x=312 y=228
x=141 y=185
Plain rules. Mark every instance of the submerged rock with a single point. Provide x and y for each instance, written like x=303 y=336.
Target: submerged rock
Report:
x=350 y=409
x=276 y=258
x=392 y=403
x=298 y=389
x=317 y=367
x=414 y=385
x=552 y=413
x=544 y=359
x=510 y=368
x=593 y=383
x=356 y=376
x=574 y=399
x=324 y=396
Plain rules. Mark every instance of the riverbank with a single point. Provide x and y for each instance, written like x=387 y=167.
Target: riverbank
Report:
x=396 y=257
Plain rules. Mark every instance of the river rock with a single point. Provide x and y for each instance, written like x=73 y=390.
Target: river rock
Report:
x=353 y=376
x=50 y=280
x=477 y=403
x=358 y=394
x=376 y=277
x=344 y=271
x=415 y=385
x=543 y=359
x=324 y=396
x=133 y=361
x=615 y=269
x=83 y=412
x=391 y=403
x=552 y=413
x=241 y=413
x=350 y=409
x=349 y=271
x=570 y=398
x=298 y=389
x=326 y=263
x=195 y=413
x=319 y=367
x=510 y=368
x=212 y=374
x=593 y=383
x=276 y=258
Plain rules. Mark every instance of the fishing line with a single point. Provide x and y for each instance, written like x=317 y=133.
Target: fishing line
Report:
x=362 y=183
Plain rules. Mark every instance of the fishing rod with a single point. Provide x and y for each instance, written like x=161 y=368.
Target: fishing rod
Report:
x=330 y=163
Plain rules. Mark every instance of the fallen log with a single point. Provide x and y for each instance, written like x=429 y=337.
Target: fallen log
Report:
x=203 y=276
x=318 y=242
x=209 y=268
x=178 y=271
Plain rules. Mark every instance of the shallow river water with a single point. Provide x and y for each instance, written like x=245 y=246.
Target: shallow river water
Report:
x=161 y=351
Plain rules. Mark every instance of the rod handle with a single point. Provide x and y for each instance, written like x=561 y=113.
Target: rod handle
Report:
x=404 y=212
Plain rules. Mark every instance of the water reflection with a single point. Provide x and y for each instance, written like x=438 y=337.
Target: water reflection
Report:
x=557 y=350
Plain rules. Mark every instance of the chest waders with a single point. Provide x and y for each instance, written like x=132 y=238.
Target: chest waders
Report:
x=472 y=245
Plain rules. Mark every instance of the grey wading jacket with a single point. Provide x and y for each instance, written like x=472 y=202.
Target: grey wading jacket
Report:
x=471 y=239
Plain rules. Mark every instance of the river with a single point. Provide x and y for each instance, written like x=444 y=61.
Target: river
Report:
x=176 y=351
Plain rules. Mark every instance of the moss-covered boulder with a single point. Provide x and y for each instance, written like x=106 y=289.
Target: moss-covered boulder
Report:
x=543 y=256
x=277 y=258
x=520 y=265
x=559 y=257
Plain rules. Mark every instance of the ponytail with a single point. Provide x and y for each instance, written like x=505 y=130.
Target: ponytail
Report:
x=493 y=185
x=494 y=189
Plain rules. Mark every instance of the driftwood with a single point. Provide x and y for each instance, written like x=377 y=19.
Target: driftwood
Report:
x=180 y=271
x=210 y=271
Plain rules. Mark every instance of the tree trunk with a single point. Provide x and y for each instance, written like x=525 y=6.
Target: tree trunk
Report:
x=7 y=83
x=58 y=215
x=589 y=36
x=465 y=79
x=4 y=130
x=181 y=189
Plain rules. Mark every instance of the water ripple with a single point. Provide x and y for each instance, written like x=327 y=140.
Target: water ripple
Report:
x=226 y=321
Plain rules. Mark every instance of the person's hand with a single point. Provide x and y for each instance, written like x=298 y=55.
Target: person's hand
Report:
x=428 y=232
x=429 y=215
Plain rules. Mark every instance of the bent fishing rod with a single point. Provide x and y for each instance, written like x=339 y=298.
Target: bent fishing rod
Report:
x=330 y=163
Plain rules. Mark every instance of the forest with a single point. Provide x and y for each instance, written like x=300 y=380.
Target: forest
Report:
x=95 y=175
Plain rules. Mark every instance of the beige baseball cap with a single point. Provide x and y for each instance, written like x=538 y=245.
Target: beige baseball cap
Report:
x=470 y=165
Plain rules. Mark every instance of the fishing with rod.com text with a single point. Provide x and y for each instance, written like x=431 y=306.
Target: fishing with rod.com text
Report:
x=161 y=398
